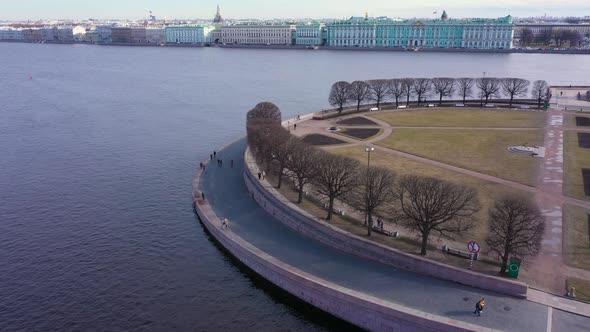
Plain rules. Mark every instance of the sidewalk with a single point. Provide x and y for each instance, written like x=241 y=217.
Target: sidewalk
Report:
x=227 y=194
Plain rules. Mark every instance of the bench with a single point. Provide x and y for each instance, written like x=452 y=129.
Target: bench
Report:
x=402 y=106
x=431 y=105
x=336 y=211
x=460 y=253
x=459 y=105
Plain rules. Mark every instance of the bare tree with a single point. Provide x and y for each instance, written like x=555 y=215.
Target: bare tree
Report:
x=339 y=94
x=489 y=87
x=282 y=144
x=464 y=86
x=432 y=205
x=540 y=89
x=261 y=122
x=515 y=87
x=516 y=229
x=378 y=90
x=395 y=89
x=527 y=37
x=422 y=87
x=546 y=36
x=359 y=91
x=443 y=86
x=374 y=191
x=336 y=176
x=408 y=88
x=303 y=166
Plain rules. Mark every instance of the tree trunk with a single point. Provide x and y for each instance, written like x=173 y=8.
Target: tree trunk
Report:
x=511 y=99
x=396 y=101
x=408 y=100
x=378 y=102
x=369 y=224
x=330 y=207
x=300 y=196
x=504 y=265
x=358 y=105
x=539 y=103
x=424 y=243
x=280 y=179
x=440 y=100
x=464 y=96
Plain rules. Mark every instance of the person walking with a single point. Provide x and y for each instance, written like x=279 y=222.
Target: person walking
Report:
x=259 y=176
x=479 y=306
x=214 y=154
x=263 y=175
x=220 y=163
x=294 y=126
x=211 y=156
x=231 y=164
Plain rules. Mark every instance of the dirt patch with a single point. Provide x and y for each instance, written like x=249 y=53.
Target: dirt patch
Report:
x=357 y=121
x=361 y=133
x=582 y=122
x=586 y=177
x=584 y=140
x=318 y=139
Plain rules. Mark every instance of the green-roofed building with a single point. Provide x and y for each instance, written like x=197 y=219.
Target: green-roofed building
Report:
x=440 y=33
x=189 y=34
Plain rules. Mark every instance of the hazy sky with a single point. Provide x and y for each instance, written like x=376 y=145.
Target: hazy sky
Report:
x=134 y=9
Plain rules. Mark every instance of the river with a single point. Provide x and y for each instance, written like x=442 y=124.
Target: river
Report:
x=98 y=145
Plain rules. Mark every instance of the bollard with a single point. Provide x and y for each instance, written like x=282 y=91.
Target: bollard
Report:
x=572 y=292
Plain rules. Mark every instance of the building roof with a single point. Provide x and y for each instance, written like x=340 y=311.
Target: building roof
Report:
x=389 y=21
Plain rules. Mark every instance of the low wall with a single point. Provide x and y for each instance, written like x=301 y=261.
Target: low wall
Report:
x=354 y=307
x=315 y=228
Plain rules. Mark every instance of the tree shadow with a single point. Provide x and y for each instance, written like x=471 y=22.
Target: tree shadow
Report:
x=458 y=313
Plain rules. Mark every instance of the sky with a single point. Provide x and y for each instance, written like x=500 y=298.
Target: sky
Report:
x=267 y=9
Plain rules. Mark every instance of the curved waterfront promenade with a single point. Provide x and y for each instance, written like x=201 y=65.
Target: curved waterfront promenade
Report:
x=424 y=297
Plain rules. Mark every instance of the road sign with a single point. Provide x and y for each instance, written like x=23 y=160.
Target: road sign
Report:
x=473 y=247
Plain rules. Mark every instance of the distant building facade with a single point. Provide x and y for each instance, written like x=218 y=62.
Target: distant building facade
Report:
x=190 y=34
x=309 y=34
x=33 y=35
x=105 y=34
x=138 y=36
x=443 y=33
x=250 y=34
x=539 y=29
x=155 y=35
x=11 y=34
x=121 y=35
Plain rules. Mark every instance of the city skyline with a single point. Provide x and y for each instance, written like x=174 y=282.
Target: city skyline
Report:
x=266 y=9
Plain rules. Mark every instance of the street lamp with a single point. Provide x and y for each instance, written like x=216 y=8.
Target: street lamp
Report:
x=368 y=150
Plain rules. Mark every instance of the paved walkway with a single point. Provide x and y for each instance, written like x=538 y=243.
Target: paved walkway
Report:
x=227 y=194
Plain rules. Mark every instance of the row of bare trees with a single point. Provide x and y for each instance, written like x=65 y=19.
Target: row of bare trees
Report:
x=548 y=35
x=424 y=205
x=358 y=92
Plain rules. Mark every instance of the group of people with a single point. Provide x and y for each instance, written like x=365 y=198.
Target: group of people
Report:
x=219 y=160
x=261 y=175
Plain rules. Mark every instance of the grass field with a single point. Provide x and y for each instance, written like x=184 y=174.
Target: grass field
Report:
x=582 y=288
x=488 y=191
x=576 y=237
x=407 y=243
x=575 y=158
x=464 y=117
x=483 y=151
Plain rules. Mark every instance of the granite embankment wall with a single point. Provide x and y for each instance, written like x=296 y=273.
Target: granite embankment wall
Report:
x=315 y=228
x=354 y=307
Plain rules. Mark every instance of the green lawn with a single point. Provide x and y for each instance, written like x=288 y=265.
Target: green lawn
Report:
x=488 y=191
x=575 y=158
x=484 y=151
x=576 y=238
x=463 y=117
x=582 y=288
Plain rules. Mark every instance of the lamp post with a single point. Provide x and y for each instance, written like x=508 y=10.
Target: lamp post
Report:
x=368 y=150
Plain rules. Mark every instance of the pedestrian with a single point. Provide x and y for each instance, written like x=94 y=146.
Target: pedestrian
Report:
x=203 y=195
x=220 y=163
x=232 y=163
x=295 y=126
x=211 y=156
x=201 y=165
x=259 y=175
x=479 y=306
x=298 y=117
x=380 y=223
x=224 y=223
x=214 y=154
x=263 y=175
